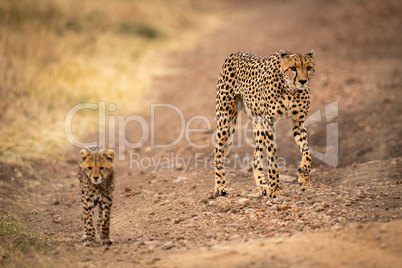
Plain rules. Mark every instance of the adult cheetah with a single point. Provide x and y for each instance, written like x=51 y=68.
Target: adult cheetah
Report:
x=268 y=88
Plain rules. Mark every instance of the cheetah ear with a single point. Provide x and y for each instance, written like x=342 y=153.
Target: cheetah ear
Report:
x=283 y=53
x=84 y=153
x=311 y=54
x=110 y=154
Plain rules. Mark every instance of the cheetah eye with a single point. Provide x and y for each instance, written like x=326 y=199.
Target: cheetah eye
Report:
x=90 y=168
x=101 y=168
x=309 y=68
x=293 y=68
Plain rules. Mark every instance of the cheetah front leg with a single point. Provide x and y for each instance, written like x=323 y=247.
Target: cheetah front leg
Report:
x=100 y=218
x=260 y=133
x=89 y=232
x=105 y=232
x=275 y=187
x=300 y=136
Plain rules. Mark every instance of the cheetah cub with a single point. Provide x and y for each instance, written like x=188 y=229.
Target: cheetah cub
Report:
x=96 y=175
x=268 y=88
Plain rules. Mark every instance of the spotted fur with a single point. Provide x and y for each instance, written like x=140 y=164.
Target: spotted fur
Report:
x=267 y=89
x=96 y=176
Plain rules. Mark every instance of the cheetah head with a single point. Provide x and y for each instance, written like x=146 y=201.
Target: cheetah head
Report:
x=297 y=69
x=97 y=165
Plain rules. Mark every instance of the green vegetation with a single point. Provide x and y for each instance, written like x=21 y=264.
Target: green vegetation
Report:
x=24 y=247
x=17 y=237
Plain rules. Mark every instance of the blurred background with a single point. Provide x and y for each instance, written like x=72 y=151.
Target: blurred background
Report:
x=55 y=54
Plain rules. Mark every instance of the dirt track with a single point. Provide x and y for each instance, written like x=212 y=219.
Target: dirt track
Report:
x=169 y=217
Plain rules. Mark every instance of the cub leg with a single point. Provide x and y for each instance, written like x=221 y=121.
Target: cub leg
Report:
x=89 y=232
x=107 y=205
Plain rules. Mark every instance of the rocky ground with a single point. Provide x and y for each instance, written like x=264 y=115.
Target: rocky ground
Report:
x=350 y=217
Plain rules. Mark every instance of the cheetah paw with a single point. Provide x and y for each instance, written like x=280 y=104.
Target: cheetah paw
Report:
x=301 y=180
x=274 y=192
x=107 y=242
x=221 y=190
x=304 y=185
x=304 y=179
x=89 y=243
x=264 y=189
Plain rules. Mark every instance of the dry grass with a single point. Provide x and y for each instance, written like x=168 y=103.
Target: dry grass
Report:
x=55 y=54
x=24 y=247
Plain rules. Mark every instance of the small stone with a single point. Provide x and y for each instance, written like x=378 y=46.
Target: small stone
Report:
x=243 y=201
x=233 y=237
x=275 y=207
x=127 y=189
x=168 y=245
x=339 y=198
x=223 y=204
x=179 y=179
x=254 y=195
x=179 y=167
x=148 y=149
x=154 y=260
x=18 y=173
x=178 y=202
x=234 y=225
x=285 y=207
x=325 y=204
x=319 y=209
x=57 y=220
x=176 y=221
x=234 y=210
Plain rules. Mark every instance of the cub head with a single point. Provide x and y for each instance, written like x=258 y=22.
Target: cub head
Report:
x=297 y=69
x=97 y=165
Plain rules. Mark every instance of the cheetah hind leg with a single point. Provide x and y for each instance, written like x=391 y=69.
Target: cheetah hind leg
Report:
x=224 y=133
